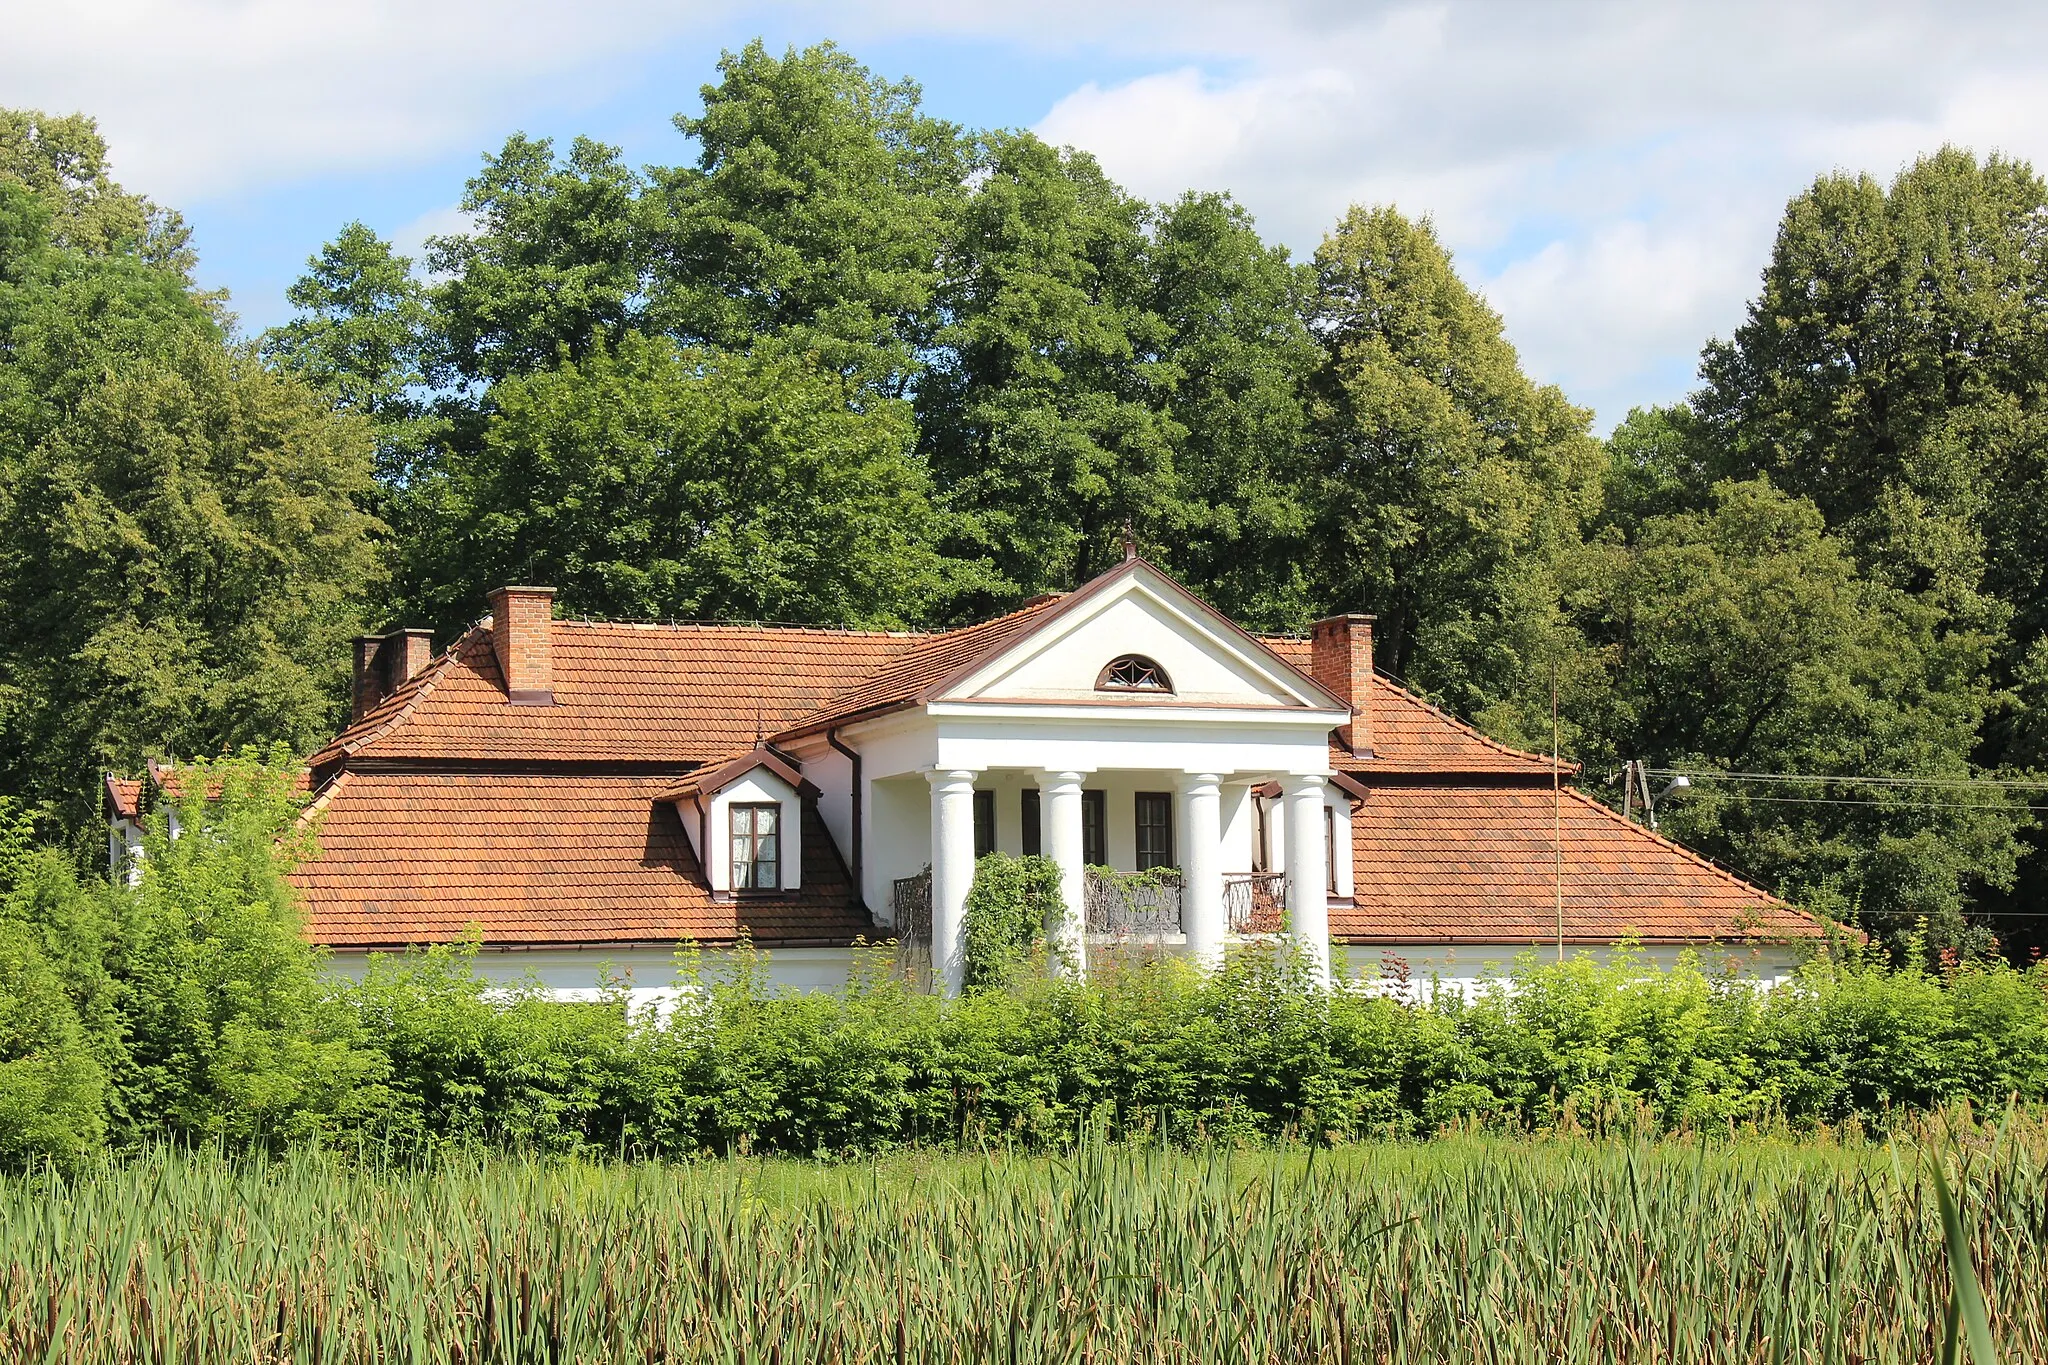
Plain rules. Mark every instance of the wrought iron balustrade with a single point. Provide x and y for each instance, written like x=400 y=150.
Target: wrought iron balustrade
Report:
x=1255 y=902
x=911 y=898
x=1133 y=905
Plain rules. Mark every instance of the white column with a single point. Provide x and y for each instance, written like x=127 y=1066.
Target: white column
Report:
x=1059 y=804
x=1201 y=868
x=952 y=872
x=1308 y=903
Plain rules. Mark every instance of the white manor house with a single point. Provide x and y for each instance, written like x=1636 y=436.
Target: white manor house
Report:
x=585 y=797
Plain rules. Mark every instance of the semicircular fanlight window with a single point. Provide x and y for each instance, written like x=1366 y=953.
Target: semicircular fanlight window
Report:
x=1133 y=673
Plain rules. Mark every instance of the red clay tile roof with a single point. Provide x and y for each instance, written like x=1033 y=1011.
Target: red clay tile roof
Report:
x=414 y=858
x=1411 y=736
x=124 y=797
x=1476 y=865
x=927 y=664
x=128 y=795
x=676 y=694
x=551 y=858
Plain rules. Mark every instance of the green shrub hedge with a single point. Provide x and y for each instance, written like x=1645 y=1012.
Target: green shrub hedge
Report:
x=1250 y=1054
x=189 y=1008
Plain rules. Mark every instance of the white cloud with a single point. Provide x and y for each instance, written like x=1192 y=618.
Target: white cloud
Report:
x=201 y=97
x=1610 y=175
x=1608 y=171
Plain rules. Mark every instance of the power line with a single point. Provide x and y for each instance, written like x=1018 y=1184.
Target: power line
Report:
x=1871 y=801
x=1827 y=779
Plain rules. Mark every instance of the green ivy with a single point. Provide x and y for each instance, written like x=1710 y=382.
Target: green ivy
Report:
x=1008 y=908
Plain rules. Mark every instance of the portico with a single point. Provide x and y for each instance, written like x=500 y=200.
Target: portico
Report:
x=1211 y=842
x=1126 y=726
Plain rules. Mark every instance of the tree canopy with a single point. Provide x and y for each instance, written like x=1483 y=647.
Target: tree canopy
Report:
x=849 y=362
x=184 y=545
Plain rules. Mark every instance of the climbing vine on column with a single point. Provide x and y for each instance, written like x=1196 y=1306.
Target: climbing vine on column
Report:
x=1008 y=908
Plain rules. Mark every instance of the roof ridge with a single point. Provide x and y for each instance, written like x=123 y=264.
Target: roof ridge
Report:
x=779 y=627
x=317 y=807
x=406 y=695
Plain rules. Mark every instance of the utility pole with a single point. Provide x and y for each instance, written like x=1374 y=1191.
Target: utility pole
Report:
x=1556 y=816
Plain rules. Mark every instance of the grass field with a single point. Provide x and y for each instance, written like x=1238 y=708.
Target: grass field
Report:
x=1459 y=1249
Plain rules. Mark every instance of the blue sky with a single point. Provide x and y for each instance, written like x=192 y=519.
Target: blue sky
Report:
x=1609 y=174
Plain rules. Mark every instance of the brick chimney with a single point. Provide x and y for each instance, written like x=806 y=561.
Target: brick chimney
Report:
x=412 y=649
x=1340 y=658
x=369 y=678
x=384 y=663
x=521 y=634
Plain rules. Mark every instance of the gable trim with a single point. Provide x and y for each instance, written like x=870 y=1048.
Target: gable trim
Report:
x=714 y=780
x=1190 y=603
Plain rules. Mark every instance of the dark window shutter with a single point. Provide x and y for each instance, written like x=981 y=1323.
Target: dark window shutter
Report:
x=984 y=824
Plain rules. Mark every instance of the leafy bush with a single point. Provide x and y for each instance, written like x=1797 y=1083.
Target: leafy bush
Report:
x=1009 y=908
x=1253 y=1053
x=59 y=1032
x=188 y=1005
x=231 y=1028
x=52 y=1088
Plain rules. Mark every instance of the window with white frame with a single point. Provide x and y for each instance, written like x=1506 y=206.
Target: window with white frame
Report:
x=756 y=846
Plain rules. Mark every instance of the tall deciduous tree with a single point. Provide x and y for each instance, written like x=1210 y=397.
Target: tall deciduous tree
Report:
x=1890 y=368
x=1239 y=352
x=558 y=255
x=182 y=565
x=63 y=161
x=1044 y=417
x=182 y=555
x=648 y=480
x=1742 y=638
x=815 y=215
x=1451 y=486
x=362 y=336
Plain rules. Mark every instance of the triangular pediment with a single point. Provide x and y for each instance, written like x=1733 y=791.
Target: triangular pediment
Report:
x=1137 y=610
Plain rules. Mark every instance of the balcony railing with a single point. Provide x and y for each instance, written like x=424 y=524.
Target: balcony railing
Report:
x=1255 y=902
x=1133 y=905
x=911 y=898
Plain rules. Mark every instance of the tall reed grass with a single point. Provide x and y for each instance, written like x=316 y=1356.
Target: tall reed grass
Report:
x=1464 y=1249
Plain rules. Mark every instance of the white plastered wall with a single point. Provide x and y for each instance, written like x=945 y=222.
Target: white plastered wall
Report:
x=899 y=838
x=648 y=974
x=1235 y=814
x=124 y=851
x=1339 y=806
x=831 y=772
x=1469 y=968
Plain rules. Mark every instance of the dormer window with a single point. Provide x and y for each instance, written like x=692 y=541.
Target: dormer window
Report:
x=1133 y=673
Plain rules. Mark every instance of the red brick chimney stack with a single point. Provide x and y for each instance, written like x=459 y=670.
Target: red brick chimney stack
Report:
x=520 y=633
x=412 y=650
x=384 y=663
x=1340 y=658
x=369 y=678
